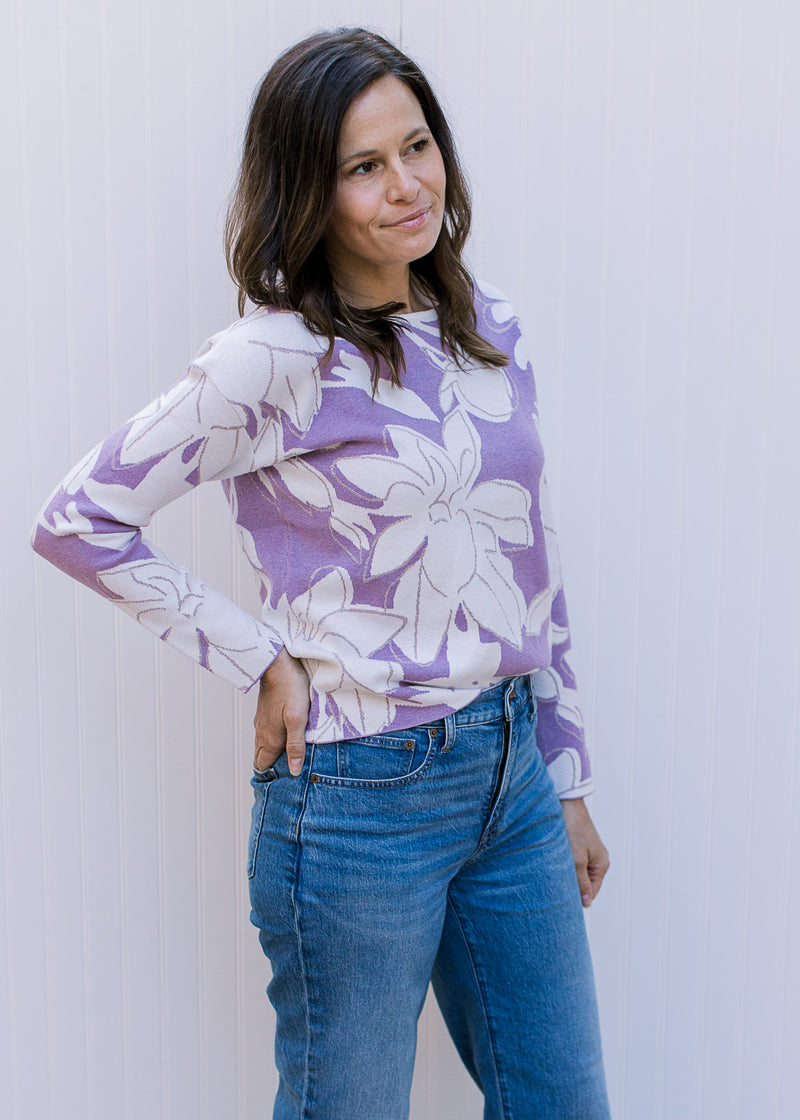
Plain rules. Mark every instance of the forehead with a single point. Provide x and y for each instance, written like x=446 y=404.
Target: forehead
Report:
x=386 y=107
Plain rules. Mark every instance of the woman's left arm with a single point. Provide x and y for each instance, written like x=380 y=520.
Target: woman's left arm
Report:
x=588 y=850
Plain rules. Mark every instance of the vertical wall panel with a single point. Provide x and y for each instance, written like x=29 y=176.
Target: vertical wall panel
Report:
x=635 y=166
x=36 y=983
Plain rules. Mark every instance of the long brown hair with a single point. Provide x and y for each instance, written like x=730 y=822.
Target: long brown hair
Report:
x=285 y=192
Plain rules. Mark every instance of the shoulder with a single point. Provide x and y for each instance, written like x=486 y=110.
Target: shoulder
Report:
x=263 y=356
x=493 y=306
x=497 y=319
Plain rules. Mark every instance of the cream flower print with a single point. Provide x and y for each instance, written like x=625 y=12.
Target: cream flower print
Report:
x=481 y=391
x=521 y=353
x=485 y=393
x=464 y=647
x=500 y=309
x=167 y=599
x=550 y=686
x=248 y=542
x=190 y=434
x=565 y=770
x=352 y=372
x=440 y=511
x=267 y=358
x=292 y=386
x=82 y=470
x=155 y=586
x=311 y=488
x=538 y=615
x=168 y=428
x=336 y=640
x=426 y=338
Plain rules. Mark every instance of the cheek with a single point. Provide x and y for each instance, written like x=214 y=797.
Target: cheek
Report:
x=436 y=180
x=351 y=213
x=442 y=176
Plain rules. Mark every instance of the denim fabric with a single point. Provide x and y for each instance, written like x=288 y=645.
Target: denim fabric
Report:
x=437 y=853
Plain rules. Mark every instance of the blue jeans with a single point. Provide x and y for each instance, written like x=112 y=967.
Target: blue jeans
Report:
x=435 y=854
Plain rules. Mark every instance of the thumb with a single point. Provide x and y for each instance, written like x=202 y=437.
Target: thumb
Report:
x=295 y=745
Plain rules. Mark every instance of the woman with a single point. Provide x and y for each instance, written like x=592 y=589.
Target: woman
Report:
x=373 y=422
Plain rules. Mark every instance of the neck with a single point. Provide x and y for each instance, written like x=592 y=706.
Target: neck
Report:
x=377 y=289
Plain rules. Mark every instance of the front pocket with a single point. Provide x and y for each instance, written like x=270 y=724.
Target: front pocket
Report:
x=260 y=781
x=374 y=759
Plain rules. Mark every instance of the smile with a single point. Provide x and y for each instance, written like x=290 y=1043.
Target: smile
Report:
x=413 y=221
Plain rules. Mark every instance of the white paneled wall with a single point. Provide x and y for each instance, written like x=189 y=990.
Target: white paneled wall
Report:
x=636 y=166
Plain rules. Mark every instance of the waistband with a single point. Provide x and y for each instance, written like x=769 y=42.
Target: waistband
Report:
x=512 y=695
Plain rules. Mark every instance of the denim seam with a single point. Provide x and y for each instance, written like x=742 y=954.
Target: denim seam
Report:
x=299 y=939
x=476 y=722
x=305 y=778
x=253 y=860
x=301 y=960
x=380 y=742
x=493 y=823
x=463 y=926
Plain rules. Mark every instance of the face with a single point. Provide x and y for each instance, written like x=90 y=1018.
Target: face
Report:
x=389 y=201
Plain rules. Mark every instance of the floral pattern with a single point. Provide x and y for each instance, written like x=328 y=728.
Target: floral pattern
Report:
x=444 y=534
x=336 y=639
x=402 y=539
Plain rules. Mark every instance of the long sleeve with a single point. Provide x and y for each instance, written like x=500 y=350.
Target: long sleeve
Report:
x=560 y=732
x=91 y=526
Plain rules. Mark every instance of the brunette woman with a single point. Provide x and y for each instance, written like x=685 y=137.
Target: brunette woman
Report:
x=420 y=766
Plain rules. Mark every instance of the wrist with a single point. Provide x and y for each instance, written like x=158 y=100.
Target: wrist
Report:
x=574 y=807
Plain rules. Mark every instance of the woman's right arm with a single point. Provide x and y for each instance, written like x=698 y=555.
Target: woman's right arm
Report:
x=91 y=526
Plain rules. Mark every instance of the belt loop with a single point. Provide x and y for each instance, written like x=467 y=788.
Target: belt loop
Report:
x=449 y=733
x=532 y=708
x=512 y=691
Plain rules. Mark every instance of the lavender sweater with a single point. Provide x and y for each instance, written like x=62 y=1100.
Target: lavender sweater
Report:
x=404 y=547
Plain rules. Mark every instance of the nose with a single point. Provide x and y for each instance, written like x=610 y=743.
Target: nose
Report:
x=402 y=186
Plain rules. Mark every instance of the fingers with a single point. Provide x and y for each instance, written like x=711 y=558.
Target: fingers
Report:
x=588 y=851
x=270 y=739
x=266 y=756
x=282 y=714
x=584 y=882
x=286 y=735
x=598 y=866
x=592 y=873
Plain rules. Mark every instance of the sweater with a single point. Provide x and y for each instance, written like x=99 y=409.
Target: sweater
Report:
x=403 y=544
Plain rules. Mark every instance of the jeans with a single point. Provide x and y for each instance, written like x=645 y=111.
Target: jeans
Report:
x=434 y=854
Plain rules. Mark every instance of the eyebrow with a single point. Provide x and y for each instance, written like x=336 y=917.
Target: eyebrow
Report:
x=374 y=151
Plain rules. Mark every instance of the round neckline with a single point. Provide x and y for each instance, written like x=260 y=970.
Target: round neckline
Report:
x=412 y=316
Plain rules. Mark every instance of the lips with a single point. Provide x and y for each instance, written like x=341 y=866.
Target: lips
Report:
x=412 y=220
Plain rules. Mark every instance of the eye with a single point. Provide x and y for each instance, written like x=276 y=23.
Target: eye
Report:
x=363 y=168
x=420 y=145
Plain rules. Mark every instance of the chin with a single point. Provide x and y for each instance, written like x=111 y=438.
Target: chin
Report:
x=425 y=245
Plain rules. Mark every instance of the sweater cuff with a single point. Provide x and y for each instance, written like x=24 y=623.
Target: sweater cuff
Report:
x=560 y=736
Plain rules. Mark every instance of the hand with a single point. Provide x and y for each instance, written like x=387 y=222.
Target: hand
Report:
x=588 y=850
x=282 y=713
